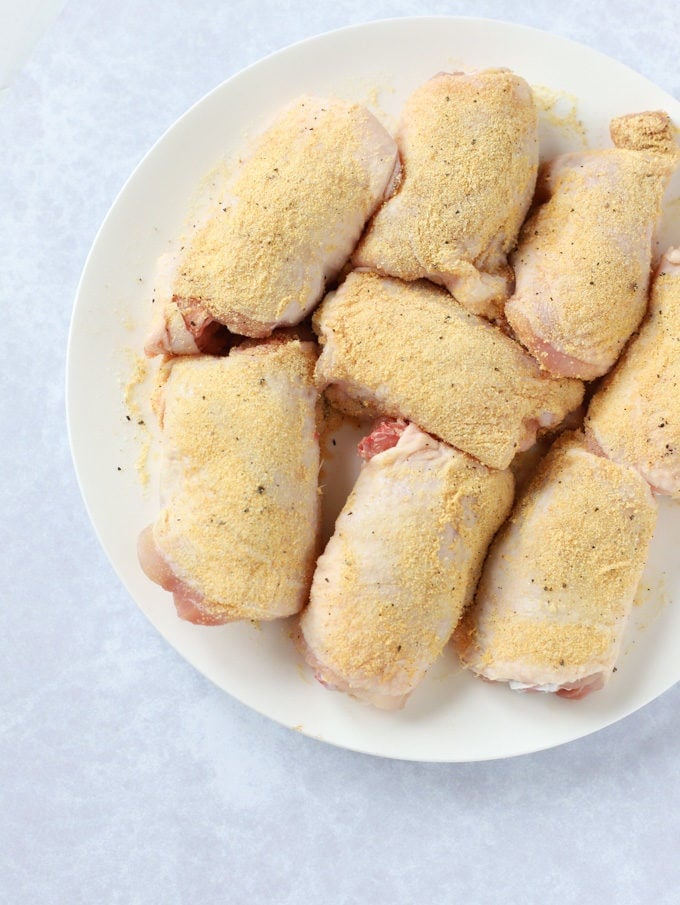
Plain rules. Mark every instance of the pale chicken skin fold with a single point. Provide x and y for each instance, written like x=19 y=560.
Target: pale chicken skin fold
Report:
x=409 y=350
x=294 y=213
x=469 y=149
x=583 y=262
x=634 y=418
x=237 y=535
x=560 y=578
x=401 y=565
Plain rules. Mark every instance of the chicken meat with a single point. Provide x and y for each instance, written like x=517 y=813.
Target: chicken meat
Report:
x=401 y=565
x=583 y=262
x=634 y=418
x=469 y=146
x=237 y=535
x=409 y=350
x=295 y=211
x=559 y=581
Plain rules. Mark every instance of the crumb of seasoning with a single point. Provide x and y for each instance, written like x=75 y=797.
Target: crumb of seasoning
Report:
x=136 y=399
x=561 y=111
x=142 y=463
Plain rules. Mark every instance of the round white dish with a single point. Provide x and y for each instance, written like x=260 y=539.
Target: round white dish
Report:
x=451 y=716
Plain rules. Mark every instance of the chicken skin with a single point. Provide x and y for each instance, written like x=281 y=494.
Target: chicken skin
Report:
x=634 y=418
x=583 y=262
x=296 y=209
x=409 y=350
x=469 y=146
x=403 y=562
x=560 y=578
x=236 y=538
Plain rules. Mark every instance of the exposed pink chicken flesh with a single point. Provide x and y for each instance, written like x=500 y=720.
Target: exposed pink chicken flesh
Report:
x=583 y=261
x=409 y=350
x=184 y=327
x=469 y=147
x=559 y=581
x=295 y=211
x=385 y=435
x=401 y=565
x=634 y=418
x=236 y=538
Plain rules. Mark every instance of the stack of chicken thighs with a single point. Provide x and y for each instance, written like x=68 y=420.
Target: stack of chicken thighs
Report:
x=478 y=309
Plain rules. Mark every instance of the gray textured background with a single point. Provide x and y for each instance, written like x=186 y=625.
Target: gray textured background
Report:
x=128 y=778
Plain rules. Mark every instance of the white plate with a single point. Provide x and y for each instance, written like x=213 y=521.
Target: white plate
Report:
x=451 y=717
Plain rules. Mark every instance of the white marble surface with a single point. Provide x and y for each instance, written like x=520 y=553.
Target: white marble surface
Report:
x=126 y=777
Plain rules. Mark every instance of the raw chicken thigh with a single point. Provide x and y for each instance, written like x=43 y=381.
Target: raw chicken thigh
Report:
x=401 y=565
x=296 y=210
x=237 y=536
x=634 y=418
x=583 y=262
x=469 y=147
x=560 y=578
x=409 y=350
